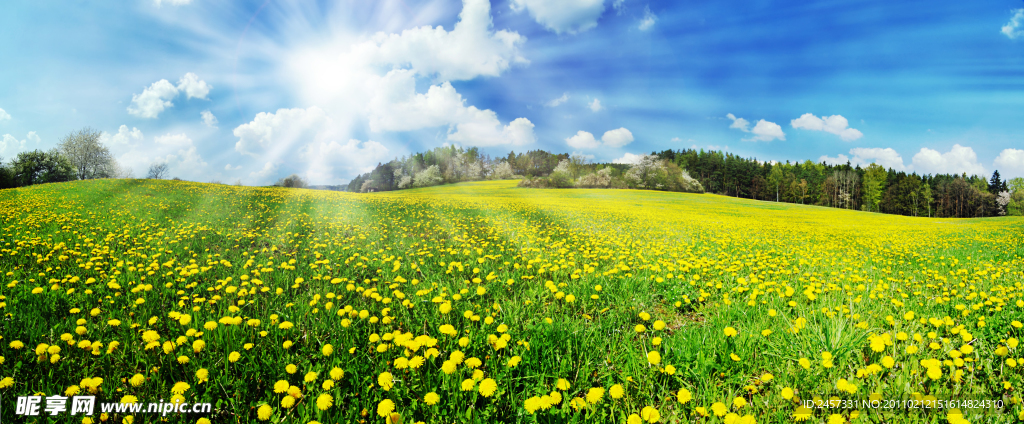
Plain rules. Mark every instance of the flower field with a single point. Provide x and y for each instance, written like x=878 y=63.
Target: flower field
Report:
x=483 y=302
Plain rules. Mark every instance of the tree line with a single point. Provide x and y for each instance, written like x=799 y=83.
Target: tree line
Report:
x=872 y=188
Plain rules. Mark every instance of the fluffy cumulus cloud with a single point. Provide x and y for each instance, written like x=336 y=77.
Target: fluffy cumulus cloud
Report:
x=564 y=16
x=153 y=100
x=1010 y=162
x=470 y=50
x=124 y=136
x=617 y=137
x=766 y=131
x=307 y=140
x=582 y=140
x=551 y=103
x=134 y=152
x=208 y=119
x=762 y=131
x=157 y=97
x=10 y=145
x=373 y=84
x=326 y=159
x=267 y=172
x=738 y=123
x=193 y=86
x=1015 y=28
x=4 y=116
x=835 y=124
x=957 y=160
x=228 y=167
x=613 y=139
x=648 y=20
x=861 y=156
x=628 y=159
x=275 y=134
x=595 y=106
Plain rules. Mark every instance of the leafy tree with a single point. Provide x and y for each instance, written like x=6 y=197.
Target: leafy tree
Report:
x=38 y=167
x=89 y=158
x=875 y=177
x=1015 y=185
x=6 y=176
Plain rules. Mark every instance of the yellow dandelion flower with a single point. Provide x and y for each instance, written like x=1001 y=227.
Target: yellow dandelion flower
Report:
x=431 y=398
x=562 y=384
x=385 y=408
x=264 y=412
x=487 y=387
x=324 y=402
x=684 y=396
x=385 y=380
x=650 y=414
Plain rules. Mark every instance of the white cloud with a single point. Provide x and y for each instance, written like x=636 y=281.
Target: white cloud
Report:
x=124 y=136
x=485 y=130
x=617 y=137
x=208 y=119
x=887 y=157
x=158 y=3
x=862 y=156
x=157 y=97
x=570 y=16
x=613 y=139
x=1015 y=28
x=153 y=99
x=395 y=106
x=676 y=139
x=629 y=159
x=265 y=173
x=957 y=160
x=739 y=123
x=582 y=140
x=552 y=103
x=180 y=153
x=649 y=19
x=228 y=167
x=4 y=116
x=470 y=50
x=305 y=140
x=10 y=145
x=766 y=131
x=595 y=105
x=1011 y=161
x=373 y=83
x=327 y=159
x=276 y=134
x=835 y=124
x=193 y=86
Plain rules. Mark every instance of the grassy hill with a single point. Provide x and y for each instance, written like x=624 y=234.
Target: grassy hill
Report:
x=483 y=302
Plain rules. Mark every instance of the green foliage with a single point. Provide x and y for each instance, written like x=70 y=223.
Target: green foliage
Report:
x=38 y=167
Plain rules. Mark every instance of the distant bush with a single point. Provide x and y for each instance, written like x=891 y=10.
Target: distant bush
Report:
x=291 y=181
x=599 y=179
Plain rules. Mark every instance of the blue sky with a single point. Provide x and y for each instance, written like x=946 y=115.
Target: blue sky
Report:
x=256 y=90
